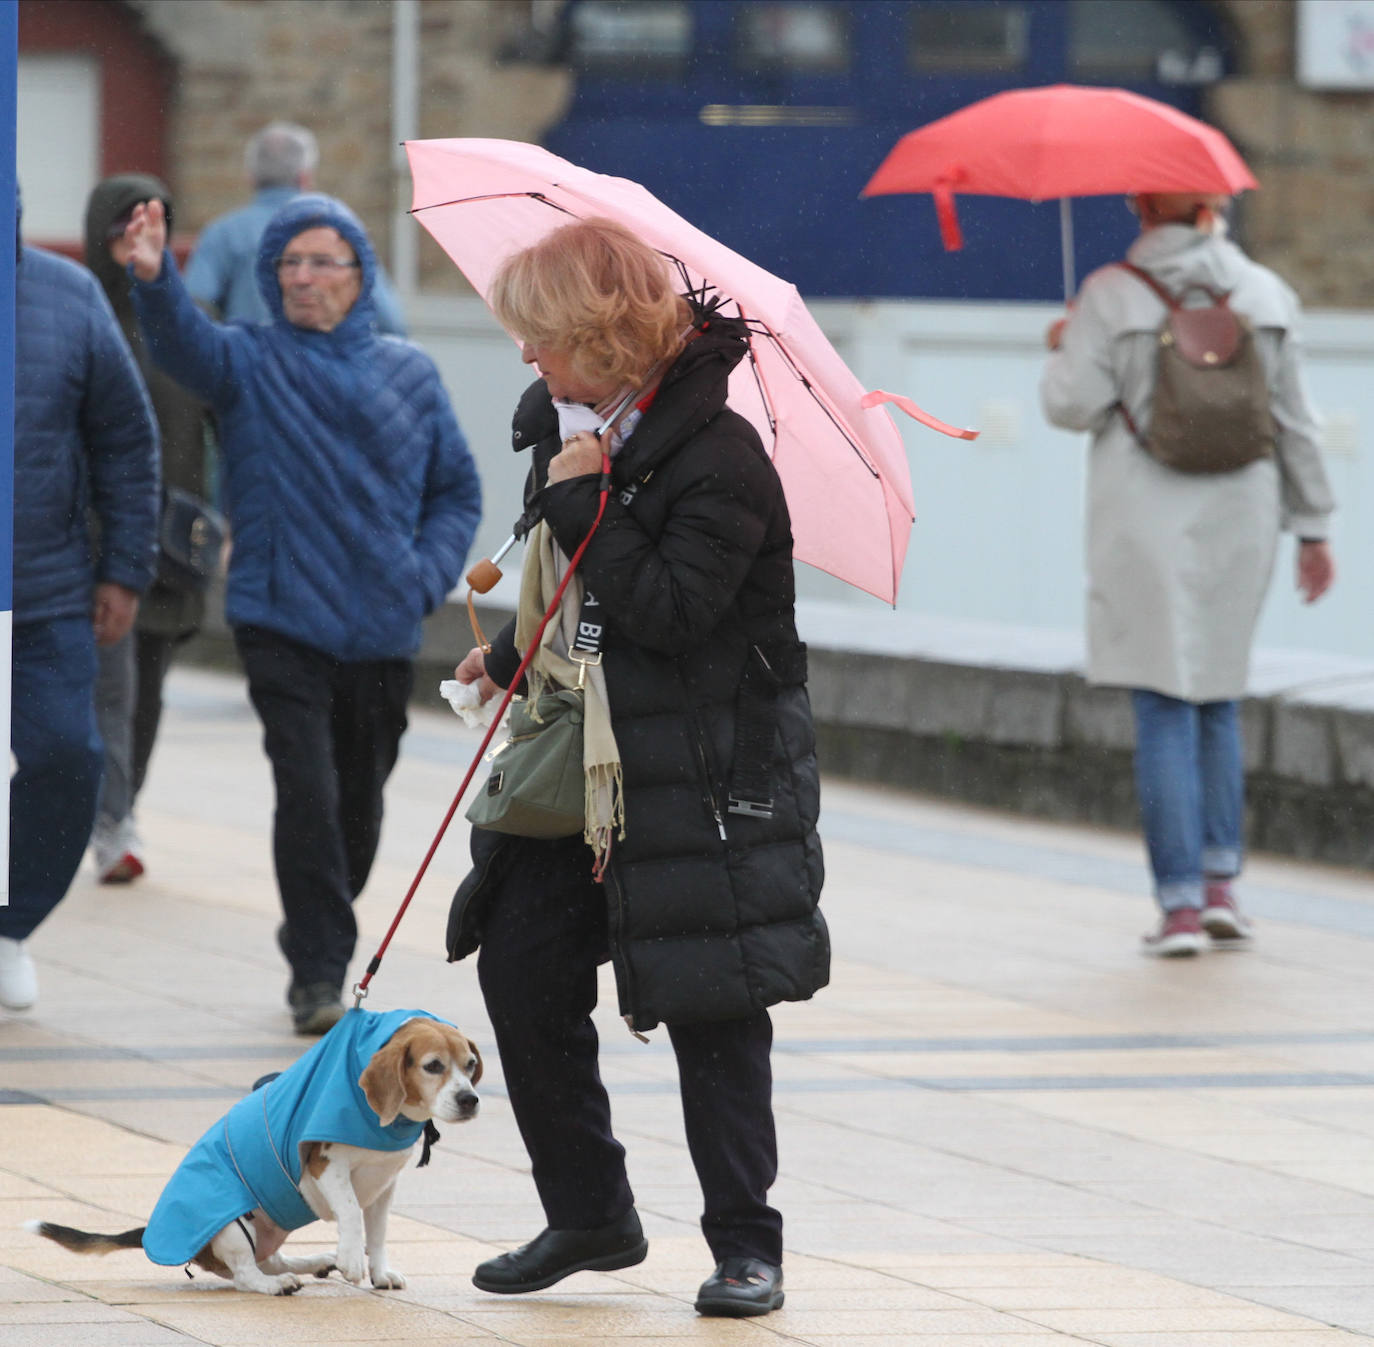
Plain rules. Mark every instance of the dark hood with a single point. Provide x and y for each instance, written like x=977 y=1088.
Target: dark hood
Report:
x=314 y=211
x=112 y=198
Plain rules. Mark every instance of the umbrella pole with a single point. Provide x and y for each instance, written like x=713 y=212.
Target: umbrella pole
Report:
x=1066 y=246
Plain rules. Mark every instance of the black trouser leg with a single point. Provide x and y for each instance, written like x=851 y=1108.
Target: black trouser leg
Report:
x=544 y=934
x=726 y=1078
x=153 y=657
x=293 y=688
x=369 y=718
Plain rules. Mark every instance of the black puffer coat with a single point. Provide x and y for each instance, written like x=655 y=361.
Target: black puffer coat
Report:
x=712 y=914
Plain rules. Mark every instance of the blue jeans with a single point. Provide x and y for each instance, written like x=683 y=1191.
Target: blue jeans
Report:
x=1191 y=784
x=60 y=758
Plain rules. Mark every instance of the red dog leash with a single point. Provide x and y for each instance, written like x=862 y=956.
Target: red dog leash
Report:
x=360 y=990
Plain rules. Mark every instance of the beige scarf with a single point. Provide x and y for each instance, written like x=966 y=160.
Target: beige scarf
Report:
x=545 y=566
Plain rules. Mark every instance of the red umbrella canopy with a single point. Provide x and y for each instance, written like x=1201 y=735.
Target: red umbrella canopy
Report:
x=1059 y=141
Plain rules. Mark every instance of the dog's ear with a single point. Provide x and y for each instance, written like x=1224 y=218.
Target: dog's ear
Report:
x=477 y=1073
x=383 y=1080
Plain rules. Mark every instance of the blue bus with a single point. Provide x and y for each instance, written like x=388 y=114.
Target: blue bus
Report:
x=761 y=121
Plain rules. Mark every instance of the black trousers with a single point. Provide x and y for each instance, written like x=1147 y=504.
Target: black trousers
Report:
x=332 y=730
x=153 y=658
x=544 y=935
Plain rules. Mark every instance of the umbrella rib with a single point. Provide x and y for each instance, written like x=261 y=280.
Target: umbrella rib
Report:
x=492 y=196
x=763 y=396
x=816 y=397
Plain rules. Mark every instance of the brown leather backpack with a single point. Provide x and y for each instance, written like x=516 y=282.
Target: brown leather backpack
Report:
x=1210 y=411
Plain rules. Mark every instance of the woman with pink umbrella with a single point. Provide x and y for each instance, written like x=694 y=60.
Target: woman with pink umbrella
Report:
x=697 y=867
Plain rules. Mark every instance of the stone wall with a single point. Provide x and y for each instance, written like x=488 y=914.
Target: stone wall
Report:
x=1313 y=153
x=327 y=65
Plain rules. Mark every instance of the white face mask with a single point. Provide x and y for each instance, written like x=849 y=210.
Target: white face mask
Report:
x=575 y=417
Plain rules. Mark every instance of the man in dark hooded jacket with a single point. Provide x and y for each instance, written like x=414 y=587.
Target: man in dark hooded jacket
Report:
x=353 y=500
x=129 y=686
x=85 y=444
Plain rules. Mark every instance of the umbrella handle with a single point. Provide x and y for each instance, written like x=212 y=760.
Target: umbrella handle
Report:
x=481 y=579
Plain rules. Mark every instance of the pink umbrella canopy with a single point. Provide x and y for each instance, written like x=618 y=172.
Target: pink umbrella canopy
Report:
x=840 y=457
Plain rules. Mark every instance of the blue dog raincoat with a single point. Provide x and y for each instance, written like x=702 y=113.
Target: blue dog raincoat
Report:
x=252 y=1157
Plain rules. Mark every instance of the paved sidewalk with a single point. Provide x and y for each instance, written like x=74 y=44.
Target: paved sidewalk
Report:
x=1000 y=1125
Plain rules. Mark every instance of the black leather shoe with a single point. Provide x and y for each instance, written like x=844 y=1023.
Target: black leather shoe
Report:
x=740 y=1287
x=554 y=1254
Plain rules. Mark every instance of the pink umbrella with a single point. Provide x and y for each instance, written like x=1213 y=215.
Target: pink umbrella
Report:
x=839 y=455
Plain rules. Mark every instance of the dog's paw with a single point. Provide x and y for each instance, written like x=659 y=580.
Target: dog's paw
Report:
x=351 y=1269
x=287 y=1284
x=324 y=1270
x=387 y=1280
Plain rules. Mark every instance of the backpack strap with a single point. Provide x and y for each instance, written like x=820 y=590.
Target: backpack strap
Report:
x=1168 y=298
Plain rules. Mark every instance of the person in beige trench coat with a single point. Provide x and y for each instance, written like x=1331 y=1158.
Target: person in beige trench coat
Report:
x=1178 y=563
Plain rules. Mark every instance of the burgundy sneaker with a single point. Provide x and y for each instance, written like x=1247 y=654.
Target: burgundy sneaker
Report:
x=1178 y=935
x=1222 y=919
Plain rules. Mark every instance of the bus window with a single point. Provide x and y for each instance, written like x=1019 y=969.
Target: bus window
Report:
x=1134 y=40
x=647 y=39
x=801 y=38
x=966 y=38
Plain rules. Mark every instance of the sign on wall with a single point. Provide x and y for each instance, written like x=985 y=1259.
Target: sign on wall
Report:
x=1336 y=44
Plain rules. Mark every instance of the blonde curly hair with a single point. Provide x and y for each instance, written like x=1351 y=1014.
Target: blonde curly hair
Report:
x=598 y=294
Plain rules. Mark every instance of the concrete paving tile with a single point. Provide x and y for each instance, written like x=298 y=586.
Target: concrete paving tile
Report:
x=1110 y=1293
x=17 y=1186
x=133 y=1334
x=18 y=1289
x=254 y=1320
x=1033 y=1338
x=1233 y=1318
x=43 y=1140
x=593 y=1321
x=705 y=1333
x=909 y=1296
x=57 y=1313
x=1314 y=1337
x=807 y=1324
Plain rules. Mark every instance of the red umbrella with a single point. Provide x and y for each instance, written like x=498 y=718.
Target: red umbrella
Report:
x=1063 y=140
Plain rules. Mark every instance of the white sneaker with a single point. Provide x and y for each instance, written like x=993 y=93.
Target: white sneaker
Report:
x=118 y=850
x=18 y=977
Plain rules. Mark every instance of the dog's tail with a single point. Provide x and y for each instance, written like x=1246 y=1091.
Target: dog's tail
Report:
x=83 y=1241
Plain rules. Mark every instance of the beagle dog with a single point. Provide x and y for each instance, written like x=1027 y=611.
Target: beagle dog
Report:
x=326 y=1139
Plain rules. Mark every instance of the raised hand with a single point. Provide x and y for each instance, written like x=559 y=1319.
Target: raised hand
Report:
x=146 y=235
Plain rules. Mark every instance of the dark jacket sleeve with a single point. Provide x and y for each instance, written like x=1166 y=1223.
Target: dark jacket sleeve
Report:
x=122 y=443
x=670 y=591
x=195 y=350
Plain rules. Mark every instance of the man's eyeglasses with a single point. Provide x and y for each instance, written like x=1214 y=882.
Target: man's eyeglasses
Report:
x=326 y=266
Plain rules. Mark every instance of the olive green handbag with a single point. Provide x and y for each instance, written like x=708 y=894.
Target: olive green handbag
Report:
x=538 y=785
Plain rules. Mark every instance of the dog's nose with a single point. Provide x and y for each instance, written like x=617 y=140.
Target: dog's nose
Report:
x=466 y=1107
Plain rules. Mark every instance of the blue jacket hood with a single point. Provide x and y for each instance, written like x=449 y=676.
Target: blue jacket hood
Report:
x=316 y=211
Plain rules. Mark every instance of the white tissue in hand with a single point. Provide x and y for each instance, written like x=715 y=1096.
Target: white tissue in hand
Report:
x=463 y=697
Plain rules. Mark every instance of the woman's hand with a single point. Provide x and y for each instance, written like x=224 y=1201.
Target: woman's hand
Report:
x=1316 y=569
x=579 y=457
x=473 y=669
x=146 y=235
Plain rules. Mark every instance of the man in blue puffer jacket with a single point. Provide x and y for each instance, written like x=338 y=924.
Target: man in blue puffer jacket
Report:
x=85 y=449
x=353 y=499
